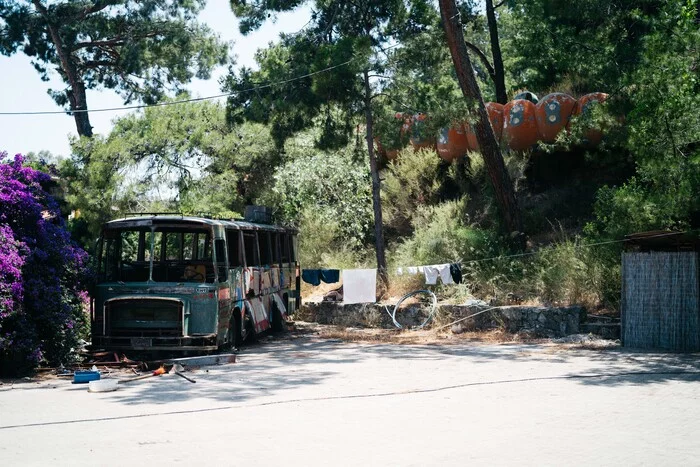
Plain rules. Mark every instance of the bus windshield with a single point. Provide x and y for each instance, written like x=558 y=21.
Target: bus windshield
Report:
x=162 y=255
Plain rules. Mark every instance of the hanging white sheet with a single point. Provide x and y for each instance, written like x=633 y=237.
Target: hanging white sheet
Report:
x=359 y=286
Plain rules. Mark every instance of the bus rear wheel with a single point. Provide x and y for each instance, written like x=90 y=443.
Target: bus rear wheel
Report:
x=277 y=320
x=233 y=337
x=249 y=335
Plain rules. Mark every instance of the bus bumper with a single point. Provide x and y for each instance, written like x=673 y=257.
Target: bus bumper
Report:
x=187 y=343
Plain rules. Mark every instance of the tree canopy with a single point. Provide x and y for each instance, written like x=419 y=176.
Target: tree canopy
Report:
x=298 y=133
x=141 y=49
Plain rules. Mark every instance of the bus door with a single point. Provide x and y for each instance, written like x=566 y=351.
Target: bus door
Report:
x=252 y=281
x=275 y=269
x=266 y=264
x=234 y=242
x=287 y=274
x=251 y=276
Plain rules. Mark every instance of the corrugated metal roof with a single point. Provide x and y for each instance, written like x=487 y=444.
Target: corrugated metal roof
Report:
x=664 y=240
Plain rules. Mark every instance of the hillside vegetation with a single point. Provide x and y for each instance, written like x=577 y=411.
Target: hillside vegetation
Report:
x=298 y=142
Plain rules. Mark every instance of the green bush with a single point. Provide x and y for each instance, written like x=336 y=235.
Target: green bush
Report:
x=332 y=187
x=412 y=181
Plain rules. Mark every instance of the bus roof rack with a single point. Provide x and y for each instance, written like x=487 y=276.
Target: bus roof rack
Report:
x=134 y=214
x=258 y=214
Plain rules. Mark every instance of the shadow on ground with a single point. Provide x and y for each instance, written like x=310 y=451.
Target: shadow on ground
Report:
x=274 y=368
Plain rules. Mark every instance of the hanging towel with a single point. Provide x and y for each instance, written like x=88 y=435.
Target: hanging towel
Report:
x=399 y=271
x=330 y=276
x=437 y=270
x=444 y=271
x=359 y=286
x=456 y=272
x=311 y=276
x=315 y=276
x=431 y=274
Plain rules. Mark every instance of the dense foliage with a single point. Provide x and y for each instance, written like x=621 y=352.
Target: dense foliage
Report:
x=298 y=142
x=42 y=273
x=329 y=187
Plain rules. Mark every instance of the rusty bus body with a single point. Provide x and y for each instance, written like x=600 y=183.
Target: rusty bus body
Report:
x=177 y=283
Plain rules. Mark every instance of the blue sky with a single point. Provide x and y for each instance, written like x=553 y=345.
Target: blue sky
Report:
x=21 y=89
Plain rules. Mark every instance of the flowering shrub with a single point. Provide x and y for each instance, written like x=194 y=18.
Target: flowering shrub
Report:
x=42 y=273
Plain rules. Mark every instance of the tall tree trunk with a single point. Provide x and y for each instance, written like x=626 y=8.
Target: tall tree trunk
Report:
x=76 y=94
x=78 y=101
x=491 y=152
x=376 y=199
x=499 y=73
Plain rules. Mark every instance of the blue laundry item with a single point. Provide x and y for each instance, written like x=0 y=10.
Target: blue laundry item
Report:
x=315 y=276
x=330 y=276
x=311 y=276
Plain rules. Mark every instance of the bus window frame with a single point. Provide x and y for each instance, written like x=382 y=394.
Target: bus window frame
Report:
x=284 y=240
x=253 y=234
x=275 y=244
x=240 y=262
x=269 y=259
x=294 y=248
x=223 y=264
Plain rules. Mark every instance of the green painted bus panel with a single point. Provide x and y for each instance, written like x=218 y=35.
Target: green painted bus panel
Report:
x=199 y=302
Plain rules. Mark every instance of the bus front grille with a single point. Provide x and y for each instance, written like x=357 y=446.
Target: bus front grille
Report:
x=146 y=317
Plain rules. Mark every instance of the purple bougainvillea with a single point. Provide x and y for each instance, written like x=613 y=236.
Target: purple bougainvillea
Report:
x=42 y=273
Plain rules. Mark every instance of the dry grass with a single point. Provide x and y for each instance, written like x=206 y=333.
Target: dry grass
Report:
x=312 y=293
x=412 y=337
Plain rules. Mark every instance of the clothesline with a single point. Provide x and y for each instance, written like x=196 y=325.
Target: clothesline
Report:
x=360 y=285
x=534 y=252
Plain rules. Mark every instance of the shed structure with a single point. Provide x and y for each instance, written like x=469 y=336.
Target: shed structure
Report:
x=660 y=291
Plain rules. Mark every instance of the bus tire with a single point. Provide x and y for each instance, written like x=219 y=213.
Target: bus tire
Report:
x=249 y=328
x=277 y=321
x=238 y=337
x=233 y=336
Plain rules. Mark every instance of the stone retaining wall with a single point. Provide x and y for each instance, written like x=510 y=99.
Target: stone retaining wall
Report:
x=540 y=321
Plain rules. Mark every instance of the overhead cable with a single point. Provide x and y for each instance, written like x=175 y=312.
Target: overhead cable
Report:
x=185 y=101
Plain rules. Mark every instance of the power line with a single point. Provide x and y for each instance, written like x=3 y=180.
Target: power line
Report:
x=584 y=245
x=185 y=101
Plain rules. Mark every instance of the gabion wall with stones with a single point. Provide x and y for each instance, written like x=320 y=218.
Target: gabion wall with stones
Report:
x=540 y=321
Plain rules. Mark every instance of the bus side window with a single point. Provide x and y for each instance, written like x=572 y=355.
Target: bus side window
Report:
x=233 y=240
x=203 y=246
x=265 y=251
x=295 y=248
x=221 y=269
x=284 y=239
x=275 y=247
x=155 y=238
x=250 y=244
x=188 y=246
x=173 y=246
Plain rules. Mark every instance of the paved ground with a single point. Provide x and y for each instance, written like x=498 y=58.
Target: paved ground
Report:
x=311 y=402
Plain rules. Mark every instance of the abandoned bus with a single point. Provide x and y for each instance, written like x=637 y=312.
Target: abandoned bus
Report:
x=169 y=282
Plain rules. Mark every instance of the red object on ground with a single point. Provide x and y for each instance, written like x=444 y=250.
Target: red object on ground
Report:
x=520 y=125
x=553 y=114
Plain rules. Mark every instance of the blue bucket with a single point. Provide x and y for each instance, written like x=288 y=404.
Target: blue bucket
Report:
x=82 y=377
